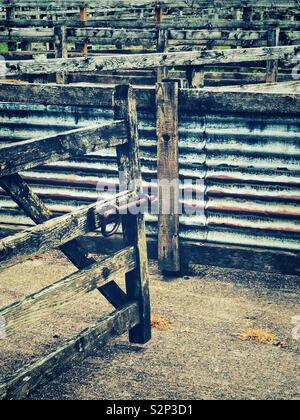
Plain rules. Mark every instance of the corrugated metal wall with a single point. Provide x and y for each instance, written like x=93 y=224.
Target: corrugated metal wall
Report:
x=250 y=165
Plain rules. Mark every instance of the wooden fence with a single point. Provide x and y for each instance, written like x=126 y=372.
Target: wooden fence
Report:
x=246 y=153
x=132 y=308
x=87 y=32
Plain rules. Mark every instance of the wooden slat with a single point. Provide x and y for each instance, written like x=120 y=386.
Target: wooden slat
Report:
x=25 y=198
x=212 y=98
x=55 y=232
x=31 y=153
x=134 y=228
x=272 y=66
x=168 y=172
x=46 y=369
x=177 y=23
x=34 y=208
x=137 y=61
x=21 y=314
x=137 y=4
x=61 y=49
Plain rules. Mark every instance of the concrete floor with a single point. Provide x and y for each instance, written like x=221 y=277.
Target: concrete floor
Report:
x=200 y=357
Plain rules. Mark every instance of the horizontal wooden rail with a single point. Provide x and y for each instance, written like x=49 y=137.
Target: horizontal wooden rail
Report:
x=178 y=23
x=46 y=369
x=55 y=232
x=32 y=153
x=142 y=61
x=31 y=309
x=211 y=99
x=126 y=4
x=179 y=37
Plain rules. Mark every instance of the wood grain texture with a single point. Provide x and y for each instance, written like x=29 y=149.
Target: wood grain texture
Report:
x=168 y=176
x=272 y=65
x=134 y=228
x=31 y=153
x=61 y=49
x=68 y=290
x=54 y=233
x=25 y=198
x=42 y=371
x=142 y=61
x=212 y=99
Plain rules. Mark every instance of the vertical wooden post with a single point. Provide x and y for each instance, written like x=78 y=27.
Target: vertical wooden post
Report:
x=195 y=77
x=25 y=46
x=168 y=173
x=248 y=14
x=84 y=16
x=238 y=14
x=159 y=14
x=61 y=49
x=162 y=42
x=134 y=229
x=272 y=65
x=10 y=15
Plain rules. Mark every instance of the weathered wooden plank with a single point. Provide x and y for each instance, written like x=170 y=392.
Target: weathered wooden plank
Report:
x=42 y=371
x=168 y=176
x=176 y=23
x=61 y=49
x=239 y=101
x=134 y=228
x=239 y=258
x=212 y=98
x=162 y=42
x=219 y=255
x=136 y=61
x=34 y=208
x=33 y=308
x=272 y=65
x=137 y=4
x=31 y=153
x=25 y=198
x=84 y=16
x=55 y=232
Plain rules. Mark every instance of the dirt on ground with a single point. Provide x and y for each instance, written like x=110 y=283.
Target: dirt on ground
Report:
x=204 y=350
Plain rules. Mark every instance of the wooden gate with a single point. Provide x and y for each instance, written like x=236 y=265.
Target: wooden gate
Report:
x=133 y=307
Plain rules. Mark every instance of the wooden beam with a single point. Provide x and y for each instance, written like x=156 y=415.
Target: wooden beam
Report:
x=42 y=371
x=179 y=24
x=257 y=259
x=10 y=15
x=32 y=153
x=272 y=65
x=61 y=50
x=138 y=61
x=134 y=228
x=162 y=41
x=212 y=99
x=84 y=16
x=25 y=198
x=33 y=308
x=55 y=232
x=34 y=208
x=121 y=5
x=168 y=176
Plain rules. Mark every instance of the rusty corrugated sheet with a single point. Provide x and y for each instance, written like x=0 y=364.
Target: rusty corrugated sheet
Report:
x=249 y=164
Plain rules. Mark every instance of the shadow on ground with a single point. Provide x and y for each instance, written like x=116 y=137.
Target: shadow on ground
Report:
x=200 y=357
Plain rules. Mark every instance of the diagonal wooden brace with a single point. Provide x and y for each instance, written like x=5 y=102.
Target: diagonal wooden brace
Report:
x=34 y=208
